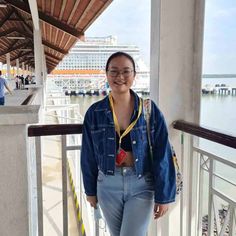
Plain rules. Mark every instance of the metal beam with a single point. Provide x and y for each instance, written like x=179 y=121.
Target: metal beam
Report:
x=23 y=20
x=2 y=22
x=6 y=32
x=19 y=56
x=46 y=43
x=10 y=49
x=48 y=19
x=11 y=30
x=52 y=56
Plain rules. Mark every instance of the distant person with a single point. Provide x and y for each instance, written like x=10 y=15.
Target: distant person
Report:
x=118 y=172
x=22 y=81
x=17 y=82
x=27 y=80
x=3 y=84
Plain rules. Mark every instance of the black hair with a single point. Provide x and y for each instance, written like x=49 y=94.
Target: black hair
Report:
x=119 y=54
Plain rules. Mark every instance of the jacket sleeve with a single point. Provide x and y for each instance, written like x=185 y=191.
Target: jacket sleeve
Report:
x=163 y=165
x=88 y=162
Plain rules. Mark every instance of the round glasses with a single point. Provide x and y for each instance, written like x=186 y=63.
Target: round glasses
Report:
x=115 y=73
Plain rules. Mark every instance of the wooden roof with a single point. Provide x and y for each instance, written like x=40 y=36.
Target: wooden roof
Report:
x=62 y=23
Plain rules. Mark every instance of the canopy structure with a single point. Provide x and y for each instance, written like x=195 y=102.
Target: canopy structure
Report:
x=62 y=23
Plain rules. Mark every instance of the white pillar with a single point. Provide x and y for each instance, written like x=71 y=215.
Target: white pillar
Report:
x=27 y=69
x=17 y=67
x=38 y=56
x=14 y=151
x=175 y=70
x=8 y=66
x=23 y=68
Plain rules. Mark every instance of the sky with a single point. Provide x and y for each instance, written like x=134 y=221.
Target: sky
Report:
x=127 y=20
x=130 y=22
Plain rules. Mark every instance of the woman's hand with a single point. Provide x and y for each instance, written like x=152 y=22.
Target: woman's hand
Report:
x=160 y=210
x=92 y=200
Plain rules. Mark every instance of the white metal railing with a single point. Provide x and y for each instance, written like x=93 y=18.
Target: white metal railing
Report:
x=91 y=220
x=210 y=190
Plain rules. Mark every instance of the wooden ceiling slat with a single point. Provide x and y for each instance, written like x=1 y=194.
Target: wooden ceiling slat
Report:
x=57 y=9
x=47 y=7
x=68 y=10
x=52 y=7
x=43 y=5
x=61 y=40
x=73 y=11
x=66 y=41
x=79 y=11
x=64 y=2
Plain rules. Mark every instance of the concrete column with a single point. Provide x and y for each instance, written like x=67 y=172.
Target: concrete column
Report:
x=17 y=67
x=14 y=155
x=27 y=69
x=176 y=61
x=44 y=71
x=23 y=68
x=38 y=56
x=8 y=65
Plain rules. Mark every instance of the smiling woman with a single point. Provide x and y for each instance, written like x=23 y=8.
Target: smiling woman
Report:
x=120 y=71
x=118 y=173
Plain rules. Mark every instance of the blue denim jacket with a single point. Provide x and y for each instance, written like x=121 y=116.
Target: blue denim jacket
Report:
x=99 y=149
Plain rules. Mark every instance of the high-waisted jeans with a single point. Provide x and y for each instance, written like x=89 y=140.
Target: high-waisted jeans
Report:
x=126 y=201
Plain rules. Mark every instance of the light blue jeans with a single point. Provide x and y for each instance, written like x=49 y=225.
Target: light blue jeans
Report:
x=126 y=201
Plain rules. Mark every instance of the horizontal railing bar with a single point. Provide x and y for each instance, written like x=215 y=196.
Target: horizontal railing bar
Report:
x=225 y=139
x=220 y=177
x=224 y=197
x=55 y=129
x=63 y=117
x=214 y=157
x=72 y=148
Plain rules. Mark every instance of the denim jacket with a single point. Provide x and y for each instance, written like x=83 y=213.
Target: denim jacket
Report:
x=99 y=149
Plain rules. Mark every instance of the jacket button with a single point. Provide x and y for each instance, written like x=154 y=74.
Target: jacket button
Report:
x=134 y=142
x=136 y=159
x=139 y=176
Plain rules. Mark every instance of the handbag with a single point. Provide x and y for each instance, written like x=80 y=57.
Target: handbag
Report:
x=147 y=115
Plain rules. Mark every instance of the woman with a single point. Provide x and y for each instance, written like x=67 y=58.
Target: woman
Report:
x=117 y=170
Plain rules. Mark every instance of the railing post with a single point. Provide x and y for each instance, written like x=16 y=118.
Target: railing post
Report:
x=64 y=186
x=39 y=185
x=210 y=201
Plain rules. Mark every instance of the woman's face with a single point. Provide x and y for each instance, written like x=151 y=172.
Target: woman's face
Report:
x=120 y=74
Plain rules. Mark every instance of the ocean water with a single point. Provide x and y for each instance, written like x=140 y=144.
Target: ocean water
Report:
x=218 y=112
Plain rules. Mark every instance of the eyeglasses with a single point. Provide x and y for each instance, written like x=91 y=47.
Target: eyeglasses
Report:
x=115 y=73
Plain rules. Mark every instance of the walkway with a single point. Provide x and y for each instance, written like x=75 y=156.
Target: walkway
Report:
x=52 y=188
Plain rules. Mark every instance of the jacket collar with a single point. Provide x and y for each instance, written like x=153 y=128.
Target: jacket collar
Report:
x=104 y=106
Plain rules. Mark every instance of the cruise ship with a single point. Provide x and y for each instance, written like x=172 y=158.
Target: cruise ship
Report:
x=83 y=69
